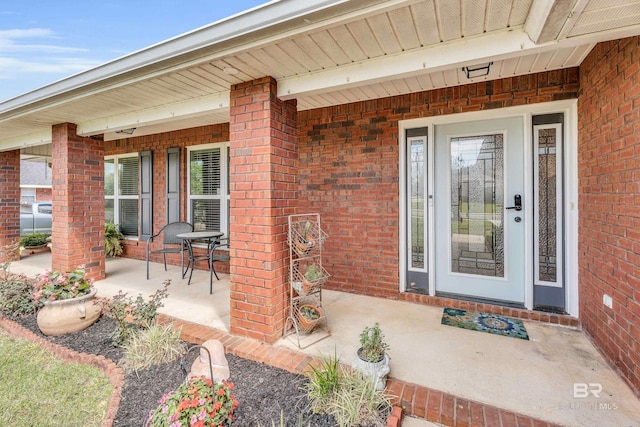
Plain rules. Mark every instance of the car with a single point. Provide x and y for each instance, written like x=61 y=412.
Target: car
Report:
x=35 y=218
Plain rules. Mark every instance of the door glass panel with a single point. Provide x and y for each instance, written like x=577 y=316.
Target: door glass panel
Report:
x=477 y=205
x=547 y=204
x=417 y=192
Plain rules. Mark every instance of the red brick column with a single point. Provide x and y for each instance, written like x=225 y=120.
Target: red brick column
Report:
x=9 y=202
x=78 y=201
x=263 y=178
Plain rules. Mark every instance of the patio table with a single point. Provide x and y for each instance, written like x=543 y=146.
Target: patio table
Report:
x=189 y=238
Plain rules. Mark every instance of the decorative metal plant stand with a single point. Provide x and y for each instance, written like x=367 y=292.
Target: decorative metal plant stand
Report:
x=306 y=239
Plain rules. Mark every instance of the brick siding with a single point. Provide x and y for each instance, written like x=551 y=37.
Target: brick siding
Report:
x=78 y=195
x=9 y=202
x=263 y=192
x=609 y=184
x=348 y=169
x=43 y=194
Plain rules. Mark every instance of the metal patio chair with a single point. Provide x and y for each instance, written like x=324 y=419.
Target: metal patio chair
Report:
x=222 y=242
x=170 y=243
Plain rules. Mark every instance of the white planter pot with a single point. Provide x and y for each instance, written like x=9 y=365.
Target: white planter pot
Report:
x=377 y=371
x=69 y=315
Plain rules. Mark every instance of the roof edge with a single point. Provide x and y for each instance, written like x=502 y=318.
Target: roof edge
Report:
x=254 y=19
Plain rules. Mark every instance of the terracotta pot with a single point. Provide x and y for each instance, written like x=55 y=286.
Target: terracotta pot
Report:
x=304 y=247
x=68 y=316
x=306 y=324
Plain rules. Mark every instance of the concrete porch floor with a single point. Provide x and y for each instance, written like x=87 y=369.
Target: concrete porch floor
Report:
x=534 y=378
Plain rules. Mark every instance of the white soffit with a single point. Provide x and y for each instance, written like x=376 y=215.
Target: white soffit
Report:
x=321 y=52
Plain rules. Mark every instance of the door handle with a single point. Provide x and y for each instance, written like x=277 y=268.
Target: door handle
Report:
x=517 y=203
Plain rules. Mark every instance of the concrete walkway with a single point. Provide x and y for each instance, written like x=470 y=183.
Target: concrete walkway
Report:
x=535 y=378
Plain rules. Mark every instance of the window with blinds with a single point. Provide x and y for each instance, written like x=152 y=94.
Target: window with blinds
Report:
x=121 y=180
x=208 y=171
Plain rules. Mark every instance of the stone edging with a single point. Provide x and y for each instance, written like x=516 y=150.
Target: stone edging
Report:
x=113 y=372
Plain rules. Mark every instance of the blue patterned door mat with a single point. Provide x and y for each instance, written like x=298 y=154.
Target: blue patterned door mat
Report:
x=484 y=322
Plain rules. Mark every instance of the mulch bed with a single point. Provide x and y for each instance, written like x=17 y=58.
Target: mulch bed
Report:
x=264 y=392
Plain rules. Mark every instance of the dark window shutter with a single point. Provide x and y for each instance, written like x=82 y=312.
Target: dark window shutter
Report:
x=146 y=194
x=173 y=184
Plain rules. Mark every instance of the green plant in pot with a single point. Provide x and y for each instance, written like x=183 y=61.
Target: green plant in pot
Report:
x=372 y=359
x=34 y=240
x=312 y=278
x=112 y=240
x=304 y=242
x=308 y=317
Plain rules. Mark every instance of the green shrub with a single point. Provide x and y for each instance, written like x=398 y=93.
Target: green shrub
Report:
x=16 y=298
x=34 y=239
x=112 y=238
x=356 y=402
x=323 y=382
x=152 y=346
x=348 y=395
x=132 y=315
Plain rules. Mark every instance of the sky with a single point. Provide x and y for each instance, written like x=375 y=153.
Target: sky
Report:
x=43 y=41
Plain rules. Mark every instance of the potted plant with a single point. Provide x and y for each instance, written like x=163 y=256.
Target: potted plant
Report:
x=67 y=300
x=372 y=358
x=303 y=242
x=112 y=240
x=312 y=278
x=309 y=316
x=35 y=242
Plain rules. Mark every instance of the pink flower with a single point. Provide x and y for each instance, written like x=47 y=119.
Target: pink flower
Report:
x=193 y=420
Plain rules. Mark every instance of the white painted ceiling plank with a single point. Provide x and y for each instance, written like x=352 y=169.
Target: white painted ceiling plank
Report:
x=365 y=39
x=473 y=18
x=560 y=57
x=384 y=34
x=279 y=56
x=330 y=46
x=348 y=43
x=307 y=44
x=498 y=12
x=426 y=23
x=449 y=12
x=293 y=50
x=402 y=23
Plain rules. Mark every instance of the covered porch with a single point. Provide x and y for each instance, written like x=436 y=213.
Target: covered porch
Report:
x=535 y=378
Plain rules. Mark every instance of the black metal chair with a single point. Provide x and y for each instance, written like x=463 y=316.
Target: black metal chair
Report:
x=220 y=257
x=170 y=243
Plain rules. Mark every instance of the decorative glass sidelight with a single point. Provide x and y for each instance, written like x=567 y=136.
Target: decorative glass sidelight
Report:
x=477 y=205
x=548 y=198
x=417 y=193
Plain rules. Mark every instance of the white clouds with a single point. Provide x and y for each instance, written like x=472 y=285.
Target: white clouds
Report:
x=37 y=56
x=10 y=41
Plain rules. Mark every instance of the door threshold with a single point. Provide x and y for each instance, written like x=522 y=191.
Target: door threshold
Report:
x=510 y=304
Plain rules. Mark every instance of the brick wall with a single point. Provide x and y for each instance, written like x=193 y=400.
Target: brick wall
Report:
x=609 y=184
x=263 y=193
x=43 y=194
x=158 y=144
x=348 y=169
x=9 y=202
x=78 y=192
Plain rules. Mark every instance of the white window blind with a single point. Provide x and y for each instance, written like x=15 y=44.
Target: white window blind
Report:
x=209 y=187
x=121 y=192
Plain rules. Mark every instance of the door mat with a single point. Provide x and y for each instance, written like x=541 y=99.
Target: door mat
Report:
x=484 y=322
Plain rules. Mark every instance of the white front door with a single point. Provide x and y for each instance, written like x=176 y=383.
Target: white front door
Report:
x=479 y=232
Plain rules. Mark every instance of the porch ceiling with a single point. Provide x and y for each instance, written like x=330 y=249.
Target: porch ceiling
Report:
x=325 y=52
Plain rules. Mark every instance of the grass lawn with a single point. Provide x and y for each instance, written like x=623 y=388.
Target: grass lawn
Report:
x=37 y=389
